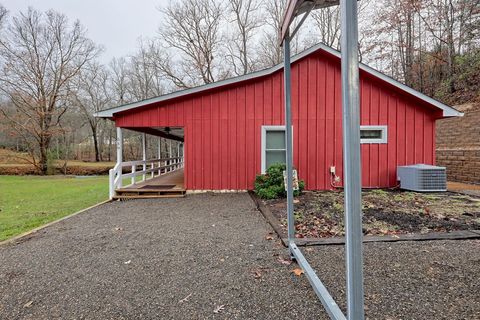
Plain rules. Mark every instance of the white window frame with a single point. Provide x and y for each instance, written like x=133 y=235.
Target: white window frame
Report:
x=264 y=143
x=383 y=139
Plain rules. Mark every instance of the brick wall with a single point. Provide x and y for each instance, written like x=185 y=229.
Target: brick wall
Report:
x=458 y=145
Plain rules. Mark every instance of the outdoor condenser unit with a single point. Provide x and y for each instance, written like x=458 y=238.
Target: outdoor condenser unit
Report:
x=422 y=178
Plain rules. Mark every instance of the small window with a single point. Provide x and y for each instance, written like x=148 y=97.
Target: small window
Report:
x=273 y=146
x=373 y=134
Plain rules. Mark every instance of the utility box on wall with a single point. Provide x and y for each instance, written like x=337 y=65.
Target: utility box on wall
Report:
x=422 y=178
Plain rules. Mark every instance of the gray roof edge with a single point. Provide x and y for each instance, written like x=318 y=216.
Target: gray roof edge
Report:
x=447 y=111
x=108 y=113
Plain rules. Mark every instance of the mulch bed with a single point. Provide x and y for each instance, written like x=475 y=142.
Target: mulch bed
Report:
x=319 y=214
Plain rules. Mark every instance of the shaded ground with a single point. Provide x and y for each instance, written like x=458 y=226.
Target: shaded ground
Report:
x=320 y=214
x=186 y=258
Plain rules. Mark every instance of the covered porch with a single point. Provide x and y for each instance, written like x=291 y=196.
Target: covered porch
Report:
x=154 y=176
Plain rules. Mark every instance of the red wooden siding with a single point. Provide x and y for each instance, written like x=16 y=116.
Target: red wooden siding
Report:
x=223 y=127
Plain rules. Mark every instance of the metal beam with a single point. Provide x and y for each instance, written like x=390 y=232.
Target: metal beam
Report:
x=157 y=133
x=288 y=138
x=351 y=159
x=326 y=299
x=296 y=8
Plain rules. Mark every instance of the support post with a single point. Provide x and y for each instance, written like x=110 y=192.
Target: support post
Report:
x=119 y=145
x=288 y=138
x=170 y=154
x=352 y=159
x=119 y=155
x=144 y=153
x=159 y=156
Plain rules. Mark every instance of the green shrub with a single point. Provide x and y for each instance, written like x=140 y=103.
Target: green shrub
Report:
x=271 y=186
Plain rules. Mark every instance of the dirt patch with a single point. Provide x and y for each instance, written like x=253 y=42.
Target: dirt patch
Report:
x=319 y=214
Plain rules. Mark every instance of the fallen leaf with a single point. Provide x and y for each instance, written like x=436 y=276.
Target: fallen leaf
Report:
x=298 y=272
x=128 y=262
x=28 y=304
x=257 y=274
x=269 y=237
x=185 y=299
x=284 y=261
x=218 y=309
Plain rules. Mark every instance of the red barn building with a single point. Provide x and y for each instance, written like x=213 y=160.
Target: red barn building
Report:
x=233 y=129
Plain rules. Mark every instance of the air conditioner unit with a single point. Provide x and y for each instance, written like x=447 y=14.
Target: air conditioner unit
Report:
x=422 y=178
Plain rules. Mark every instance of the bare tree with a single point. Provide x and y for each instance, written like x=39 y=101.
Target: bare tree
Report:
x=192 y=29
x=145 y=78
x=270 y=51
x=3 y=15
x=41 y=53
x=327 y=26
x=246 y=16
x=91 y=95
x=118 y=84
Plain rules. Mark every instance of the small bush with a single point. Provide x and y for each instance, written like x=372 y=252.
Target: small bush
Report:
x=271 y=186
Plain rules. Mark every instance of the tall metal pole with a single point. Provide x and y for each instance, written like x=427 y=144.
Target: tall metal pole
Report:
x=288 y=137
x=351 y=159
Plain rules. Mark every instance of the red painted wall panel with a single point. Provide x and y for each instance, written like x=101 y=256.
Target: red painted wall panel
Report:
x=223 y=127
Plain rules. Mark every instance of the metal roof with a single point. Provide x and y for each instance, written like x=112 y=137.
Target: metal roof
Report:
x=447 y=111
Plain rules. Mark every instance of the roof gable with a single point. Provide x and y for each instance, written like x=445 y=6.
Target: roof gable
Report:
x=447 y=111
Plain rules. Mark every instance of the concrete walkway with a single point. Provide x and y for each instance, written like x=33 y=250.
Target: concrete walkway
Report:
x=469 y=189
x=199 y=257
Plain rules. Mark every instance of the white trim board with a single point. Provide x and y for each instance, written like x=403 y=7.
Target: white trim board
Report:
x=264 y=144
x=383 y=139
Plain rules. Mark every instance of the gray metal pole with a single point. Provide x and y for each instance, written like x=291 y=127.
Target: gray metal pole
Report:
x=351 y=159
x=288 y=137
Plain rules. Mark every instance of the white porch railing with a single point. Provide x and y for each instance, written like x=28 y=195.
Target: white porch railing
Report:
x=149 y=169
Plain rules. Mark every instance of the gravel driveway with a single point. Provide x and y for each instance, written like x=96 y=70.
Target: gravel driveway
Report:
x=208 y=257
x=209 y=248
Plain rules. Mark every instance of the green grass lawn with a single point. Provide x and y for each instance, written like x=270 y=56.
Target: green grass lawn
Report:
x=27 y=202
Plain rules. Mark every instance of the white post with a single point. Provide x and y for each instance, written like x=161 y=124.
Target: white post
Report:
x=119 y=145
x=134 y=169
x=119 y=155
x=144 y=152
x=159 y=155
x=170 y=154
x=178 y=155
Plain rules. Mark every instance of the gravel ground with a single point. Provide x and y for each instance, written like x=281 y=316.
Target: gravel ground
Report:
x=409 y=280
x=209 y=248
x=185 y=258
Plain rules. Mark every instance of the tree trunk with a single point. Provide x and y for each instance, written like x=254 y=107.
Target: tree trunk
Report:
x=43 y=163
x=95 y=144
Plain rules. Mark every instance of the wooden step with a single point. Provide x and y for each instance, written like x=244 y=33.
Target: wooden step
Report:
x=117 y=197
x=127 y=193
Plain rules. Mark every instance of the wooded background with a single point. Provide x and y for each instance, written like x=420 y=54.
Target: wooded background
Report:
x=52 y=80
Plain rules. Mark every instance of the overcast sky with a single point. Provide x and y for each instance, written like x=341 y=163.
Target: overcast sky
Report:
x=115 y=24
